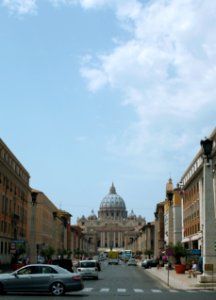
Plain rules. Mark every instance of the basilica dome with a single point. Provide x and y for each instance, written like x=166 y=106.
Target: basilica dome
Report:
x=112 y=205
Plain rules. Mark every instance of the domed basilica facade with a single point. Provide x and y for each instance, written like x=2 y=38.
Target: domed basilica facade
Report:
x=113 y=228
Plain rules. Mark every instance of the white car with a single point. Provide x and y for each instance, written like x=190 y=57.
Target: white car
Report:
x=88 y=268
x=132 y=262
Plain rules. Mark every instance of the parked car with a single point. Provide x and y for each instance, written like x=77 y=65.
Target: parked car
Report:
x=88 y=268
x=64 y=263
x=40 y=259
x=132 y=262
x=113 y=261
x=149 y=263
x=41 y=278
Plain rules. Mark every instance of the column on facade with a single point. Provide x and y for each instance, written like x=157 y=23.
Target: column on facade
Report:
x=103 y=239
x=108 y=239
x=119 y=239
x=182 y=214
x=209 y=229
x=170 y=228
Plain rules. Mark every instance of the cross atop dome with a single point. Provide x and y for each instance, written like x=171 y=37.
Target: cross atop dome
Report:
x=112 y=189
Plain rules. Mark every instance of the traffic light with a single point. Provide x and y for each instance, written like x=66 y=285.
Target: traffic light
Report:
x=215 y=245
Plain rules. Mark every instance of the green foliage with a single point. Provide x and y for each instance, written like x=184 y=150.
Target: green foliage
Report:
x=64 y=252
x=178 y=251
x=20 y=249
x=148 y=252
x=48 y=252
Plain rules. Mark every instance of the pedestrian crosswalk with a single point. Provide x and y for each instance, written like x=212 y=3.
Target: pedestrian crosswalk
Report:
x=139 y=290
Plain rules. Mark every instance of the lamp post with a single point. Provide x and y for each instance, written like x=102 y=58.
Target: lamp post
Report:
x=33 y=251
x=209 y=226
x=169 y=195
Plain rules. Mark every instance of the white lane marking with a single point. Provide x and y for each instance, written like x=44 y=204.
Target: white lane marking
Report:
x=104 y=290
x=156 y=291
x=87 y=289
x=121 y=290
x=138 y=291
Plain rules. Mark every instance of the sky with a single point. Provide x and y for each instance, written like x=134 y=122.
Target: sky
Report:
x=100 y=91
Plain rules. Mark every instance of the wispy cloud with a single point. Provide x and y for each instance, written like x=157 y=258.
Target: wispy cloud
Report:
x=166 y=71
x=21 y=7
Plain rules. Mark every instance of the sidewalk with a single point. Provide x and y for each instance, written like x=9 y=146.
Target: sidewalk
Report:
x=176 y=281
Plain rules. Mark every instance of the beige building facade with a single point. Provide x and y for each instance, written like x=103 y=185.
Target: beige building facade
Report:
x=159 y=244
x=14 y=197
x=48 y=227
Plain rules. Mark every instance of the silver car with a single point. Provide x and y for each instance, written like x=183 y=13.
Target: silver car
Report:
x=88 y=269
x=41 y=278
x=132 y=262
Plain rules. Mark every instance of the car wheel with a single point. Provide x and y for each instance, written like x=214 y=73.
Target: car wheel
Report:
x=57 y=289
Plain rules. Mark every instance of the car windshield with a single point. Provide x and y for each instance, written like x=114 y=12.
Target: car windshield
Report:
x=87 y=264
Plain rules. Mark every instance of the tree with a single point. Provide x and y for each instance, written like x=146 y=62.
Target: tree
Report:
x=178 y=251
x=149 y=253
x=48 y=252
x=64 y=252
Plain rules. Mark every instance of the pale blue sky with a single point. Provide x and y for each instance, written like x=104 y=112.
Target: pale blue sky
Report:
x=100 y=91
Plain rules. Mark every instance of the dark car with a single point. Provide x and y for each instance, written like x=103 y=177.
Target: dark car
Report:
x=149 y=263
x=40 y=278
x=64 y=263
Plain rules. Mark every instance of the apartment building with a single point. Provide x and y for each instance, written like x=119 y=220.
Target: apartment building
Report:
x=192 y=198
x=14 y=197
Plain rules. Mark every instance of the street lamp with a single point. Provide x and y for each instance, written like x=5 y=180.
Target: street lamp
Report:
x=34 y=197
x=209 y=228
x=156 y=215
x=169 y=191
x=207 y=145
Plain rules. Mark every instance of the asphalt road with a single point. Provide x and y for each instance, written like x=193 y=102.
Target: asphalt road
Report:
x=123 y=282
